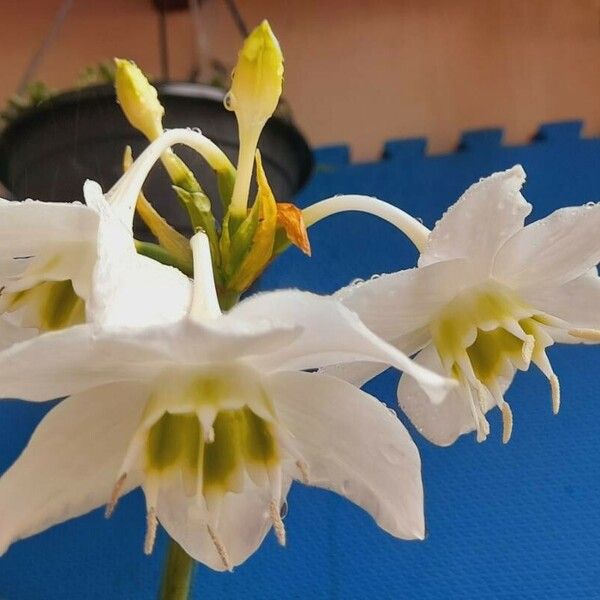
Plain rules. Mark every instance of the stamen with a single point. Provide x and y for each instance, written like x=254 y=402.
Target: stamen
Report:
x=507 y=422
x=481 y=425
x=207 y=415
x=151 y=526
x=278 y=526
x=555 y=387
x=527 y=349
x=543 y=364
x=507 y=416
x=114 y=497
x=220 y=548
x=591 y=335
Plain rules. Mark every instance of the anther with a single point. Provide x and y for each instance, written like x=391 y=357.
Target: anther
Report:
x=151 y=526
x=114 y=497
x=527 y=349
x=555 y=387
x=278 y=526
x=507 y=422
x=220 y=548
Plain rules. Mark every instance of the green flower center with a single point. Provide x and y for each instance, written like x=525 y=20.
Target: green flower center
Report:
x=207 y=432
x=482 y=336
x=47 y=306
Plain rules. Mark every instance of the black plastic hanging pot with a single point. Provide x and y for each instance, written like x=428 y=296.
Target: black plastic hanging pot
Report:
x=49 y=151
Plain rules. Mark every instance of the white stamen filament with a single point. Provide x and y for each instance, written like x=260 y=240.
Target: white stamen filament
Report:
x=220 y=548
x=543 y=364
x=205 y=303
x=481 y=424
x=114 y=497
x=416 y=232
x=507 y=416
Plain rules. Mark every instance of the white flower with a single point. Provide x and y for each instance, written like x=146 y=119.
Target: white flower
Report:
x=488 y=297
x=62 y=264
x=212 y=417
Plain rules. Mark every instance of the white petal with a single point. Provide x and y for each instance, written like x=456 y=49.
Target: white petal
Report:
x=395 y=304
x=551 y=251
x=243 y=524
x=331 y=334
x=576 y=302
x=445 y=422
x=65 y=362
x=484 y=217
x=129 y=289
x=29 y=226
x=354 y=445
x=359 y=373
x=11 y=334
x=69 y=361
x=72 y=461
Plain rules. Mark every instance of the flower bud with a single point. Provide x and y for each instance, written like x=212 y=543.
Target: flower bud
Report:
x=138 y=99
x=257 y=79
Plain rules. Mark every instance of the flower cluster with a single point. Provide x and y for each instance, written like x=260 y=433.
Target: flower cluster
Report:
x=213 y=406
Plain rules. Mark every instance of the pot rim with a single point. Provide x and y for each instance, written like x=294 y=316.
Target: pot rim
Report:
x=170 y=89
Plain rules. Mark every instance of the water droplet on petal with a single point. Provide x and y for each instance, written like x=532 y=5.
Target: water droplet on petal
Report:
x=284 y=510
x=392 y=454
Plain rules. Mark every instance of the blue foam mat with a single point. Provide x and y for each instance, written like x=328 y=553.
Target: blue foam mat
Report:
x=516 y=521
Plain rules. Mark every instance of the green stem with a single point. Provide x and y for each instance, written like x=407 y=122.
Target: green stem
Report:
x=177 y=576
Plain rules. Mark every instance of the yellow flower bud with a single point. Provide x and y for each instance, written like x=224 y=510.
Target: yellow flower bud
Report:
x=257 y=79
x=254 y=94
x=138 y=99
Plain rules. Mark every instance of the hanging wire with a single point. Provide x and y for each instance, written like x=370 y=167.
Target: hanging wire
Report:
x=163 y=42
x=237 y=18
x=36 y=59
x=200 y=64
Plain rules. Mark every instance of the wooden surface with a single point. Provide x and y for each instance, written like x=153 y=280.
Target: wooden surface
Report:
x=359 y=71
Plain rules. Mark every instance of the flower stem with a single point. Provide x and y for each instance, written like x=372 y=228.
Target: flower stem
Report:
x=416 y=232
x=177 y=576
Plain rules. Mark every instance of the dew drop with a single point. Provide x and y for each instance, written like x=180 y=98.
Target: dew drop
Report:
x=357 y=282
x=392 y=454
x=227 y=103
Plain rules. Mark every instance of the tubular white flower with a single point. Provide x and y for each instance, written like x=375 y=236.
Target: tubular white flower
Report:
x=217 y=421
x=491 y=296
x=416 y=232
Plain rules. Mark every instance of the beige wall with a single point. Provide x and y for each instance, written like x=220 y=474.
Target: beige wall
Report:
x=359 y=71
